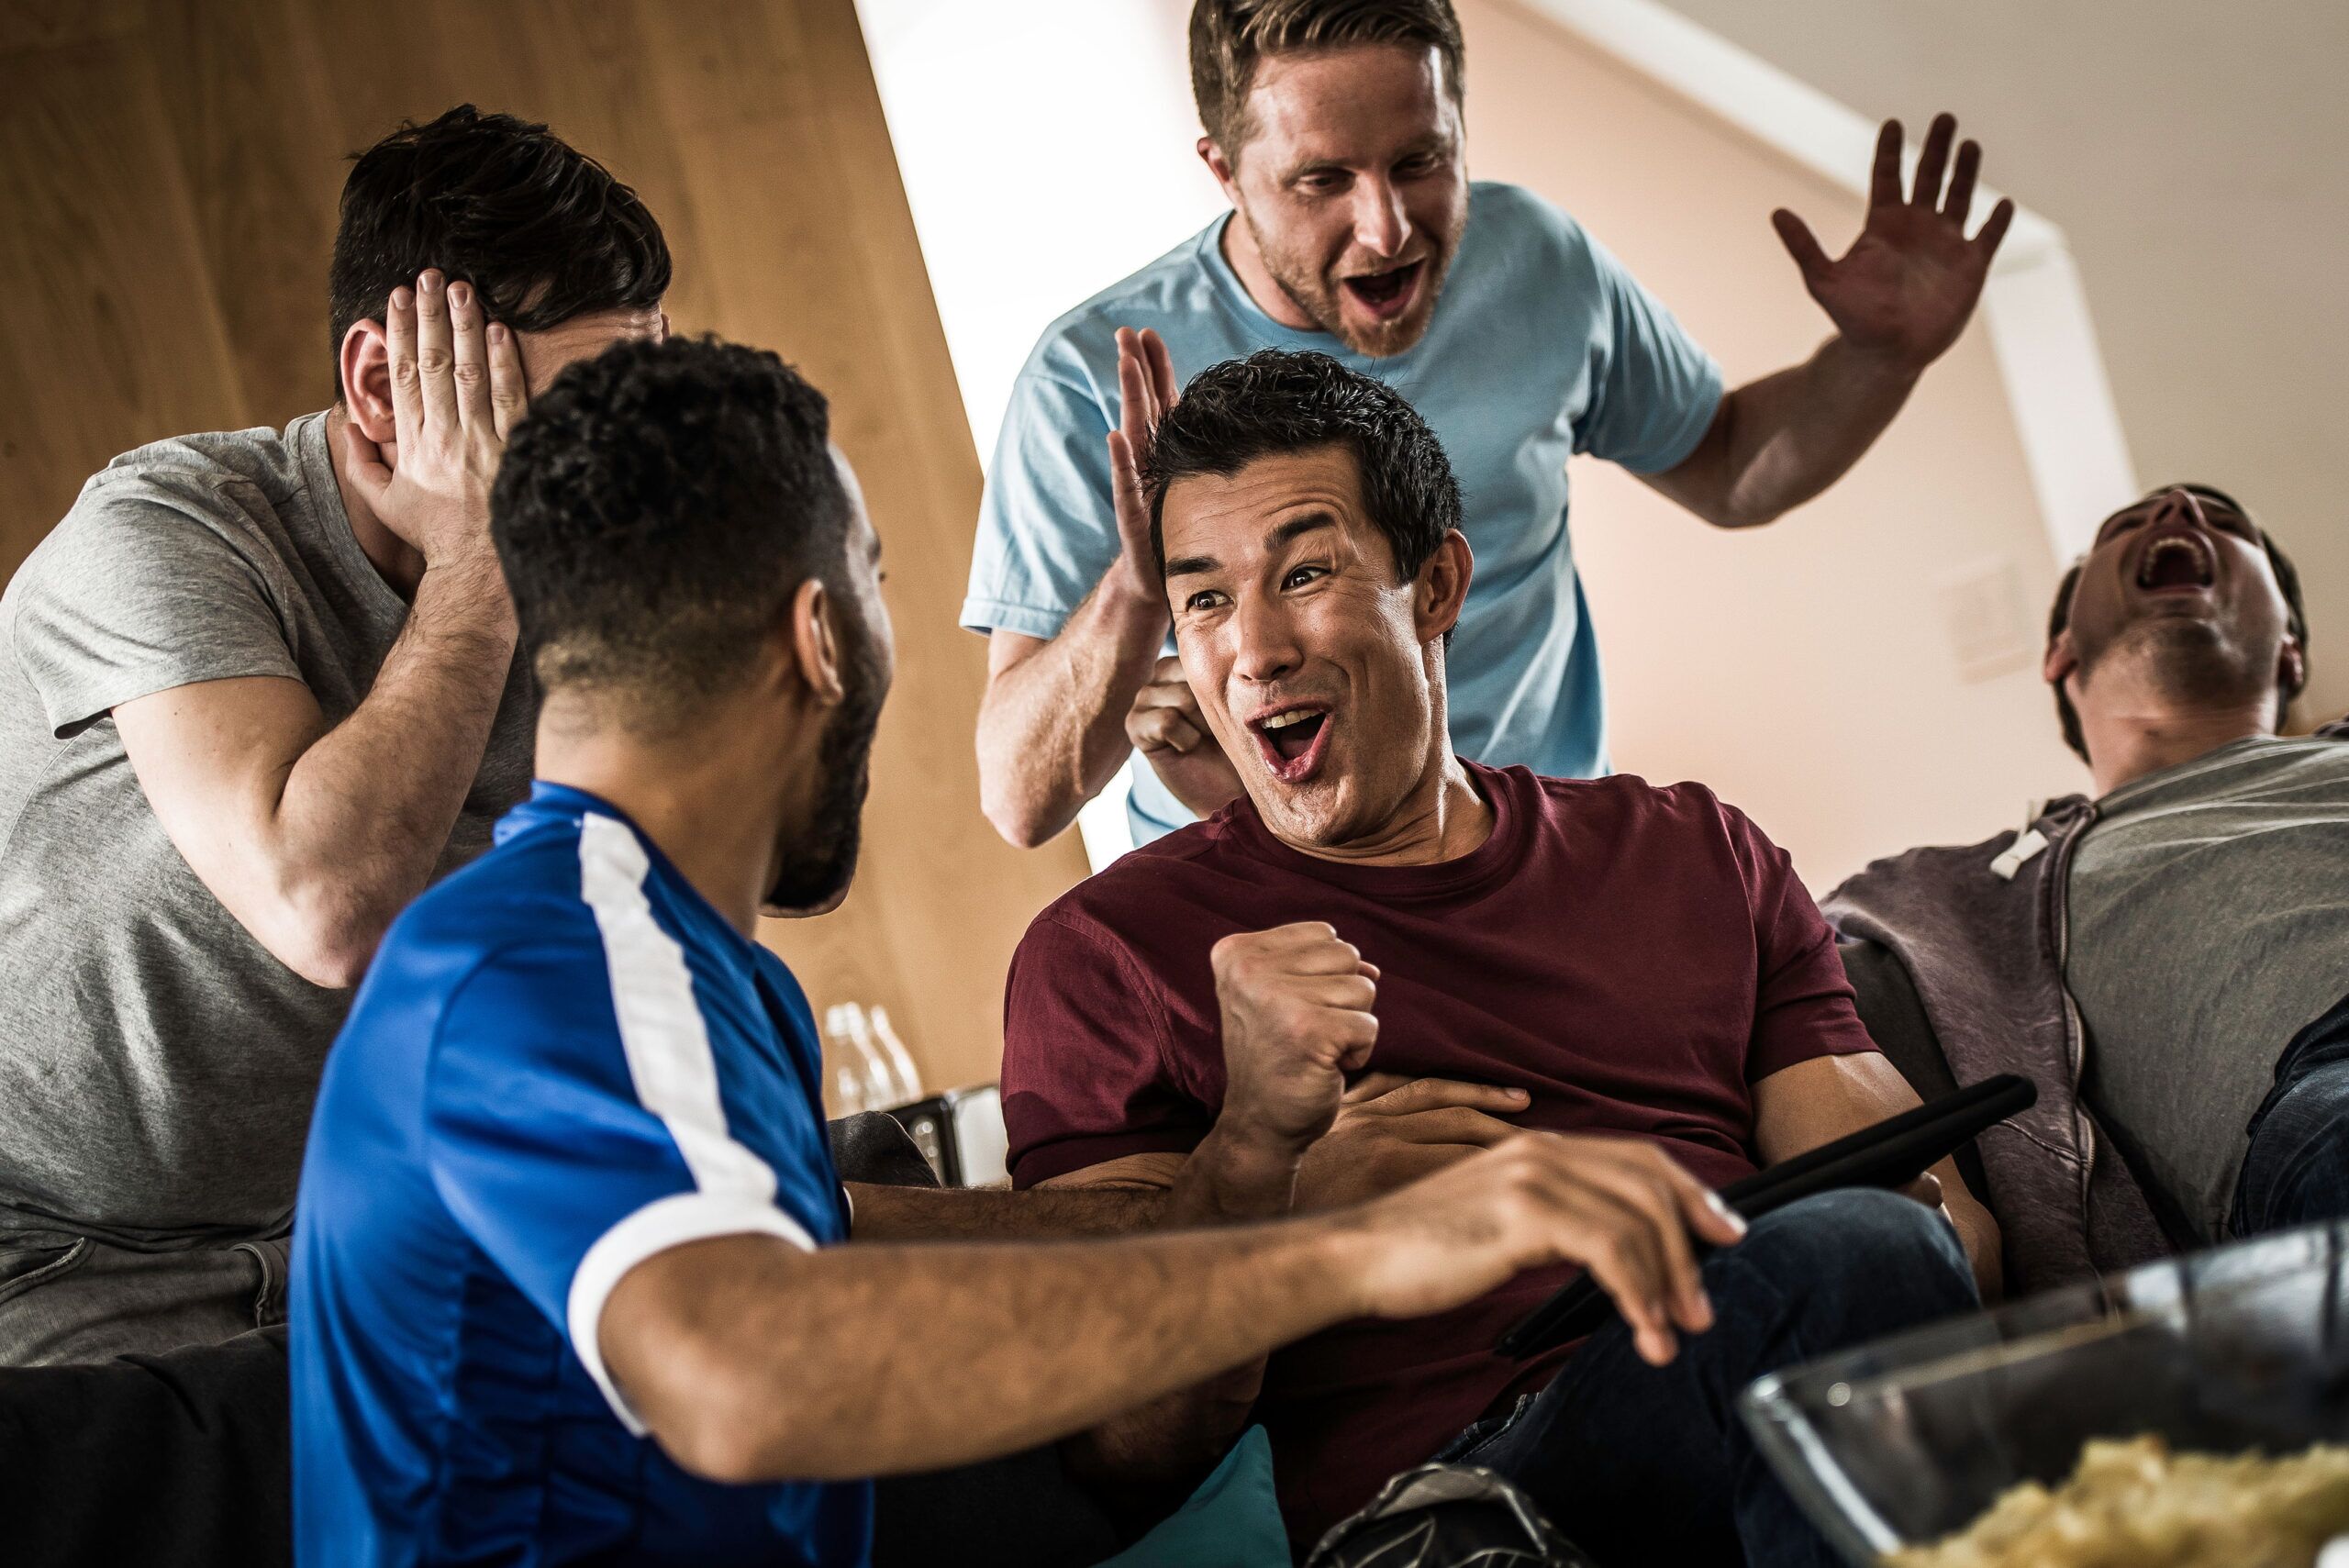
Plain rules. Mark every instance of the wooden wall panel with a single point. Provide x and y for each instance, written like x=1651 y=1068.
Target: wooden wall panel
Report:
x=169 y=171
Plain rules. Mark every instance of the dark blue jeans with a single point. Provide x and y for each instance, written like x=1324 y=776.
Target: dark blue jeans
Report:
x=2297 y=1170
x=1642 y=1466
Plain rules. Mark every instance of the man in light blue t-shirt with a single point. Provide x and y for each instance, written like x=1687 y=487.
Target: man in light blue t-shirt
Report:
x=1335 y=131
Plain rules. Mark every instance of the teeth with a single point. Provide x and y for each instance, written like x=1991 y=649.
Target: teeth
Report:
x=2162 y=546
x=1282 y=720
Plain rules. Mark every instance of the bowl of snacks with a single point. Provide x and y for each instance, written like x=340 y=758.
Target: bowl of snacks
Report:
x=2191 y=1414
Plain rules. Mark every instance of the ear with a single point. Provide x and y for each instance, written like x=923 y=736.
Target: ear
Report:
x=2291 y=670
x=2061 y=661
x=1220 y=167
x=367 y=381
x=814 y=644
x=1442 y=586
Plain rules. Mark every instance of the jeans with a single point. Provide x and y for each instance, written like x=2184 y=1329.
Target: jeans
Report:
x=1650 y=1465
x=89 y=1301
x=2296 y=1170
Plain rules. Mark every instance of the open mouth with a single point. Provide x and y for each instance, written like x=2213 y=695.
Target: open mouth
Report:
x=1292 y=741
x=1389 y=293
x=2175 y=563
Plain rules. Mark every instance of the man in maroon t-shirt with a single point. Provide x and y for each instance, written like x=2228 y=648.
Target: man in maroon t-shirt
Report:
x=1583 y=956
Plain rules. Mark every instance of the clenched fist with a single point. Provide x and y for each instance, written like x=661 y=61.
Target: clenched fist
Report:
x=1295 y=1005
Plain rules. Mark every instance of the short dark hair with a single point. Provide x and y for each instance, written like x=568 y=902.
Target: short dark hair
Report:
x=1230 y=37
x=657 y=512
x=1275 y=401
x=541 y=231
x=2287 y=578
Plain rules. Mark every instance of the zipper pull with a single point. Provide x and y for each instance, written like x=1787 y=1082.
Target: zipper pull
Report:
x=2028 y=843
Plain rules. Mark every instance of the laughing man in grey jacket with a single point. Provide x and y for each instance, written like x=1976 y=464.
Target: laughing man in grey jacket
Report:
x=2168 y=959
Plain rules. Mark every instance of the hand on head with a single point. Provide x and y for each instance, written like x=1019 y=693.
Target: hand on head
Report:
x=457 y=392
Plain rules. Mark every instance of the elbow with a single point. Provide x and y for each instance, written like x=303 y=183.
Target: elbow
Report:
x=323 y=935
x=719 y=1447
x=1010 y=806
x=1023 y=827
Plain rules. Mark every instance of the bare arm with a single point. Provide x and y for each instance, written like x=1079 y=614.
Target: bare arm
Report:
x=312 y=837
x=1828 y=1097
x=1053 y=722
x=750 y=1360
x=1898 y=299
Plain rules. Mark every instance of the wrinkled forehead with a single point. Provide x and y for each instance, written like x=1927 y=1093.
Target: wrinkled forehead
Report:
x=1211 y=520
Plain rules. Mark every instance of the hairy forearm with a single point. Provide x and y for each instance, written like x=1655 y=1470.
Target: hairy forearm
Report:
x=1053 y=725
x=1229 y=1178
x=1788 y=437
x=872 y=1360
x=935 y=1214
x=367 y=808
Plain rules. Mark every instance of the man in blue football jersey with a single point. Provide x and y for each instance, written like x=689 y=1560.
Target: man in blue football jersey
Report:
x=1335 y=130
x=570 y=1279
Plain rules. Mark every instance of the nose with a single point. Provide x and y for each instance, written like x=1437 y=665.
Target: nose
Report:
x=1267 y=645
x=2179 y=505
x=1381 y=227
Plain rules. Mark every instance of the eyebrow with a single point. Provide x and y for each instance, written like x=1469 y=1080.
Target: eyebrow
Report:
x=1296 y=528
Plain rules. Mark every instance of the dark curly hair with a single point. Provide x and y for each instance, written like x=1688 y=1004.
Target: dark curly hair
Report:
x=541 y=231
x=657 y=512
x=1275 y=402
x=2288 y=579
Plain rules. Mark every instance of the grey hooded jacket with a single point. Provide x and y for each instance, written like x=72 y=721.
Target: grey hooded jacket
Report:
x=1981 y=931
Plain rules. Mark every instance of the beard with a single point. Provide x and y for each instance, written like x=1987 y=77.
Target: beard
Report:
x=821 y=862
x=1312 y=289
x=2191 y=664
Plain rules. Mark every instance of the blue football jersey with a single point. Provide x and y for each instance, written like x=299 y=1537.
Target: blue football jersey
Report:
x=562 y=1061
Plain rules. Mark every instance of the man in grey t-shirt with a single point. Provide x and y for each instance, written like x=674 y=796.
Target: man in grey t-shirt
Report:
x=257 y=689
x=2176 y=945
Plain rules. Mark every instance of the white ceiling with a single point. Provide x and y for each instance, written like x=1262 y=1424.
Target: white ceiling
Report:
x=2196 y=156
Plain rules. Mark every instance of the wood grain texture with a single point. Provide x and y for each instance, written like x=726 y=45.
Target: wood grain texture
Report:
x=170 y=170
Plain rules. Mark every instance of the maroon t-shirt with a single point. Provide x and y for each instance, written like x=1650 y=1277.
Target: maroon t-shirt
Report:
x=1636 y=959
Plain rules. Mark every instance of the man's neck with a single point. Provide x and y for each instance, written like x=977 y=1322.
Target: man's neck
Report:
x=712 y=809
x=2129 y=745
x=1247 y=263
x=398 y=562
x=1443 y=819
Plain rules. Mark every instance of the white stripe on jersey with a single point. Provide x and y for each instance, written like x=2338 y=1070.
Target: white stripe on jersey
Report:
x=669 y=1059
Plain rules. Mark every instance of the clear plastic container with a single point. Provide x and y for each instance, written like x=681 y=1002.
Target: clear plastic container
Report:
x=1911 y=1439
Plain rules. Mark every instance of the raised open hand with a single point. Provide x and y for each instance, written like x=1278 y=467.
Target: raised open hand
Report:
x=1145 y=392
x=1908 y=283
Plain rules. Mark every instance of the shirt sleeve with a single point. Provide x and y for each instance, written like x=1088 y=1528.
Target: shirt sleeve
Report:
x=137 y=591
x=1085 y=1076
x=1653 y=391
x=1048 y=529
x=1803 y=1005
x=568 y=1155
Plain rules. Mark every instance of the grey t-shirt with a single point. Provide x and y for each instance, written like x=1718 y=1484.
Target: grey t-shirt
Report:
x=2209 y=923
x=157 y=1064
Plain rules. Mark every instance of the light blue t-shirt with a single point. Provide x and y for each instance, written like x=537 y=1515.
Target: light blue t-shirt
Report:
x=1542 y=345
